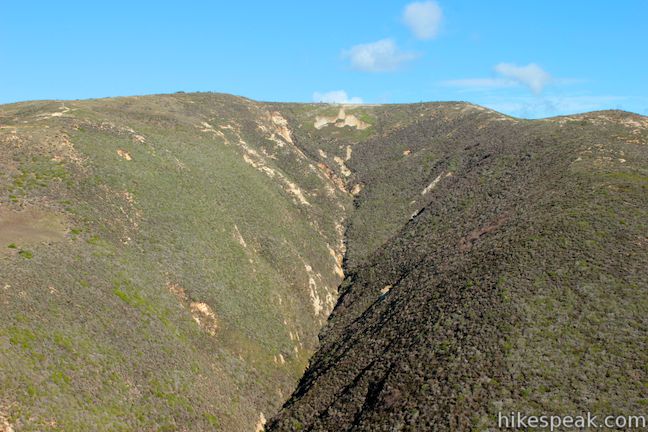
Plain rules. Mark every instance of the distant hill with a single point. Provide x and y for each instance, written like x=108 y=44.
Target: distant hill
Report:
x=167 y=262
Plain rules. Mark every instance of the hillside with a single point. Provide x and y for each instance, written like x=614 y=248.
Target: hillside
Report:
x=493 y=265
x=168 y=262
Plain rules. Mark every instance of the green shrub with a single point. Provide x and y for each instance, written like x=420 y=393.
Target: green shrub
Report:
x=26 y=254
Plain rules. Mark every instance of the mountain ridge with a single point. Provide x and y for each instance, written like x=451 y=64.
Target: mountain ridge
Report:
x=219 y=214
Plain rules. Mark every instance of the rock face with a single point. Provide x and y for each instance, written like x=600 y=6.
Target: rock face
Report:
x=186 y=251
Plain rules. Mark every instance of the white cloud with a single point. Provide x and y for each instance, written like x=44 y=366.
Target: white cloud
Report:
x=531 y=75
x=380 y=56
x=511 y=75
x=423 y=18
x=336 y=97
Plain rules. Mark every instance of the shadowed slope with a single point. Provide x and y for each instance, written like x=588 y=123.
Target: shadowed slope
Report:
x=518 y=283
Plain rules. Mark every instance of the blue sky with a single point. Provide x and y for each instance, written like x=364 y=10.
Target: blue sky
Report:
x=529 y=59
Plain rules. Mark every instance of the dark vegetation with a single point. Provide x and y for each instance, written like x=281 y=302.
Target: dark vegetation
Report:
x=520 y=284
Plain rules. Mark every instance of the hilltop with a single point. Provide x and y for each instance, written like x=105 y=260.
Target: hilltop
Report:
x=186 y=261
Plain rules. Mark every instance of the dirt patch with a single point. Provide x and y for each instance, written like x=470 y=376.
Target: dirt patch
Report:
x=253 y=158
x=346 y=172
x=124 y=154
x=64 y=149
x=30 y=226
x=178 y=292
x=432 y=185
x=357 y=188
x=281 y=126
x=207 y=128
x=261 y=423
x=339 y=258
x=330 y=174
x=386 y=289
x=466 y=243
x=201 y=313
x=320 y=306
x=63 y=108
x=5 y=426
x=435 y=182
x=204 y=316
x=341 y=120
x=315 y=298
x=239 y=237
x=297 y=192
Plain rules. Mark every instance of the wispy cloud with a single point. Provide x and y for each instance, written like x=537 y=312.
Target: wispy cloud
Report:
x=336 y=97
x=531 y=76
x=423 y=18
x=380 y=56
x=538 y=104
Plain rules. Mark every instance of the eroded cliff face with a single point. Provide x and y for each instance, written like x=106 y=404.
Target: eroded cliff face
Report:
x=169 y=261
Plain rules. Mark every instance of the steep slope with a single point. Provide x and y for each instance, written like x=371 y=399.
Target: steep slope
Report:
x=166 y=262
x=494 y=265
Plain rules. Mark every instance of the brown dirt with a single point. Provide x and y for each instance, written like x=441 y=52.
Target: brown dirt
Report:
x=30 y=226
